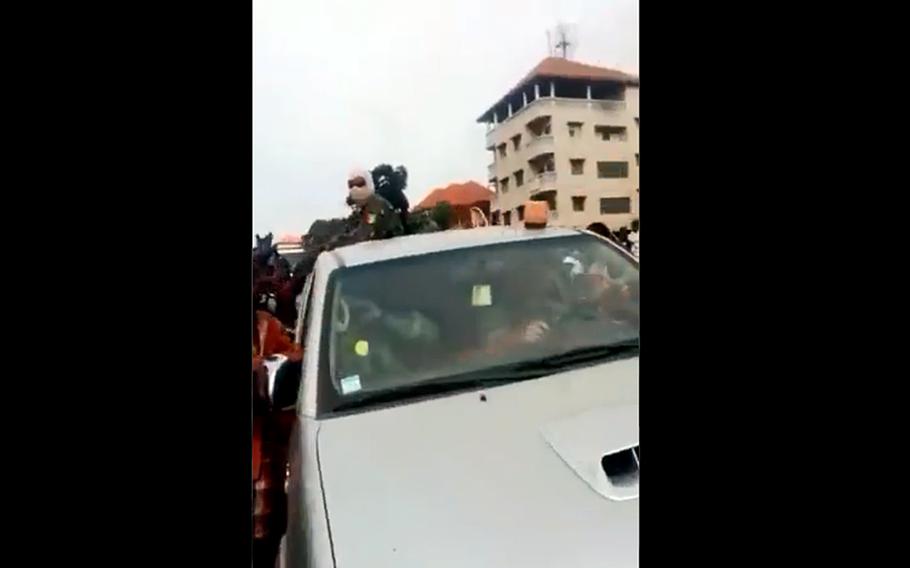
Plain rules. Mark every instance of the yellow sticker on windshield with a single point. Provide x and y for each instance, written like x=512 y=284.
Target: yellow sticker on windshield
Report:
x=362 y=348
x=481 y=295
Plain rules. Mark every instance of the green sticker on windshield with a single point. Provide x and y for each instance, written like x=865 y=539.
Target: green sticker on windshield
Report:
x=481 y=295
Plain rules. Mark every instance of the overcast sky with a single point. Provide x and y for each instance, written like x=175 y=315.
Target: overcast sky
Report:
x=341 y=83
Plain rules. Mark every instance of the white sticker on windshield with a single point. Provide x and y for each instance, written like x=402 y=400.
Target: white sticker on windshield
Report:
x=350 y=384
x=481 y=295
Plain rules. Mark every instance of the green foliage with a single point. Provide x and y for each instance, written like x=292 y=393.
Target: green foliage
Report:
x=443 y=215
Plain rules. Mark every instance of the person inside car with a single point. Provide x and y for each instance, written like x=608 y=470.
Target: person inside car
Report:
x=603 y=300
x=530 y=303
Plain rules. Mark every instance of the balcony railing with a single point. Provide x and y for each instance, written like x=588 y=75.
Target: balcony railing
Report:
x=544 y=106
x=540 y=144
x=610 y=105
x=490 y=138
x=542 y=182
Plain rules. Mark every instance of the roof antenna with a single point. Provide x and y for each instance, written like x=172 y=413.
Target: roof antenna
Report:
x=563 y=43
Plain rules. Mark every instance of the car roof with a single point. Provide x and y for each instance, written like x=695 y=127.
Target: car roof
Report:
x=413 y=245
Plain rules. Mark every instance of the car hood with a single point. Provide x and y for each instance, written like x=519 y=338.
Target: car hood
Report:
x=514 y=480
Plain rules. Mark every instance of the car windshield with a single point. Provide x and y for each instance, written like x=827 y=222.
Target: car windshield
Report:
x=536 y=306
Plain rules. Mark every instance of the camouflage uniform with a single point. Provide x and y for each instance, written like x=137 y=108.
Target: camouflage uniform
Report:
x=376 y=219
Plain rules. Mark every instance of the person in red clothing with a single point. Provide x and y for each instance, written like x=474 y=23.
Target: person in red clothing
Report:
x=270 y=429
x=270 y=338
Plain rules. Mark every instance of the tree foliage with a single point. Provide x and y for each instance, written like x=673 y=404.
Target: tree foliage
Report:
x=443 y=215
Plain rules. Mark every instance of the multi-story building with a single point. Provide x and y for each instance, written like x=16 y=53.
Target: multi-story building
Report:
x=567 y=134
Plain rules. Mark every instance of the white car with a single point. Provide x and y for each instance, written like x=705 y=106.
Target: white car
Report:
x=467 y=399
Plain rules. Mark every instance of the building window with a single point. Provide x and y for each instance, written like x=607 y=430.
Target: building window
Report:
x=636 y=159
x=546 y=127
x=578 y=167
x=507 y=217
x=575 y=129
x=611 y=133
x=516 y=142
x=542 y=165
x=578 y=203
x=521 y=212
x=636 y=122
x=612 y=169
x=612 y=205
x=519 y=178
x=502 y=150
x=504 y=185
x=540 y=126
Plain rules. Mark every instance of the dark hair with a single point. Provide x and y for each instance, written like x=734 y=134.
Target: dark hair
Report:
x=390 y=184
x=306 y=264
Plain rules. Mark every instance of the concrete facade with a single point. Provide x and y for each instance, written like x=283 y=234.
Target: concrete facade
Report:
x=550 y=147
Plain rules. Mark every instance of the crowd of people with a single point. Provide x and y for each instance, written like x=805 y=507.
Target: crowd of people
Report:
x=626 y=237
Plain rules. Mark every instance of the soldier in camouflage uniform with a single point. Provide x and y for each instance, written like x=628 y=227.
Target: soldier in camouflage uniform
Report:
x=373 y=216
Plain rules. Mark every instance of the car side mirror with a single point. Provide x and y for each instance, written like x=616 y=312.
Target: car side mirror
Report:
x=283 y=380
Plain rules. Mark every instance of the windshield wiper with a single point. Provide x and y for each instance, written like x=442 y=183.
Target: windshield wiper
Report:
x=483 y=378
x=491 y=377
x=593 y=353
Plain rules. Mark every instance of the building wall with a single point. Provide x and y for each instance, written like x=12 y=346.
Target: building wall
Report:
x=586 y=146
